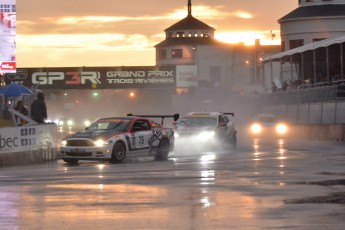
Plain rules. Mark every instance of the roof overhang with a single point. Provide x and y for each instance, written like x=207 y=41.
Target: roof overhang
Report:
x=311 y=46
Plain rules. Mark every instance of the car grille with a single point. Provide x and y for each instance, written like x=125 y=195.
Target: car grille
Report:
x=79 y=154
x=80 y=143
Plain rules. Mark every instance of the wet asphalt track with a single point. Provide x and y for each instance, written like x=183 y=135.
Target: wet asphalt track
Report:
x=264 y=184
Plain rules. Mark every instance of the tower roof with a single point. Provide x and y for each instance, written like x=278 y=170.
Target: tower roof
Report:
x=190 y=41
x=189 y=23
x=331 y=10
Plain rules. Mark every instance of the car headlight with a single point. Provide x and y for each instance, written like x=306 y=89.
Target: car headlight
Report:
x=63 y=143
x=87 y=123
x=205 y=135
x=256 y=128
x=69 y=123
x=281 y=128
x=176 y=135
x=101 y=143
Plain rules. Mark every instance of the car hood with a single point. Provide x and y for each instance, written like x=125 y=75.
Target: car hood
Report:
x=93 y=134
x=193 y=129
x=267 y=124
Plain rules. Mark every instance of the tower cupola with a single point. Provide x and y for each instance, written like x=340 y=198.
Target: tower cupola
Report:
x=189 y=27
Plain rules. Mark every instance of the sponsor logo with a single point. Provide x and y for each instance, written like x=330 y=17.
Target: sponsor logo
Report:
x=133 y=74
x=69 y=78
x=21 y=74
x=140 y=77
x=8 y=66
x=27 y=138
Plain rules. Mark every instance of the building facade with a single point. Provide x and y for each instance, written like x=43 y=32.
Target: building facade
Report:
x=312 y=21
x=190 y=43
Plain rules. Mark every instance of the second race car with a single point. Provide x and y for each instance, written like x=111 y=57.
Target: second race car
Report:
x=268 y=125
x=115 y=138
x=204 y=129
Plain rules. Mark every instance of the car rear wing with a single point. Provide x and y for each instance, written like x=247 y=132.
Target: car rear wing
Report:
x=175 y=116
x=231 y=114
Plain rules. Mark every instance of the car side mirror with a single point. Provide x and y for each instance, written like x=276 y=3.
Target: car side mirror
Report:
x=176 y=116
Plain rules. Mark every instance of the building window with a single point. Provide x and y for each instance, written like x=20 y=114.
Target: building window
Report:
x=169 y=34
x=180 y=34
x=193 y=34
x=162 y=54
x=296 y=43
x=205 y=34
x=176 y=53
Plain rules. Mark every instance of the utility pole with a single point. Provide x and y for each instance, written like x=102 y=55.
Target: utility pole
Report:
x=257 y=44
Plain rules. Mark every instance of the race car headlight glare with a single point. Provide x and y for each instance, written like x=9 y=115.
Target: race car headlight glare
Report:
x=100 y=143
x=87 y=123
x=281 y=128
x=63 y=143
x=205 y=135
x=256 y=128
x=69 y=122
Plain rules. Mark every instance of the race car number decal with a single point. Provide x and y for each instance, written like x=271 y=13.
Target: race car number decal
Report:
x=157 y=135
x=141 y=140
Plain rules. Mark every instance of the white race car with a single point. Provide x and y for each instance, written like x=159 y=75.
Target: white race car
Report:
x=116 y=138
x=204 y=129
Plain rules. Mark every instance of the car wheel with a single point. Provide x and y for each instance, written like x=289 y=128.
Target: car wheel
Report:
x=119 y=152
x=232 y=142
x=71 y=161
x=163 y=150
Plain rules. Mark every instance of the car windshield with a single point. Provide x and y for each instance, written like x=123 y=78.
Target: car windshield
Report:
x=111 y=124
x=198 y=121
x=266 y=119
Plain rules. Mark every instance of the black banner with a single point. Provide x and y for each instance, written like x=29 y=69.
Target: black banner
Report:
x=97 y=77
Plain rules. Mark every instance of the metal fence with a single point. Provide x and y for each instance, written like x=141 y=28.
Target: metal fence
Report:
x=324 y=105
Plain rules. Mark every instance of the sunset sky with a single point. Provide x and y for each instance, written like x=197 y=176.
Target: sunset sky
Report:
x=61 y=33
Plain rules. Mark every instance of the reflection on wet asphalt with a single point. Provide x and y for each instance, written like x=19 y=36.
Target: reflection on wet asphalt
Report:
x=264 y=184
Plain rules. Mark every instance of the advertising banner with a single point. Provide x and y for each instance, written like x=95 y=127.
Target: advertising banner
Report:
x=27 y=138
x=8 y=36
x=186 y=76
x=97 y=77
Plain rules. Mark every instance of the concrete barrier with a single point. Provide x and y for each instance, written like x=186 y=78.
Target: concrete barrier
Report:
x=322 y=132
x=28 y=144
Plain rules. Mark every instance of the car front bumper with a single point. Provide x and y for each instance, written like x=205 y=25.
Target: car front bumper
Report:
x=86 y=153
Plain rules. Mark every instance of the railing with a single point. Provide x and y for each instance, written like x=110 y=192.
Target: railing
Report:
x=321 y=84
x=317 y=105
